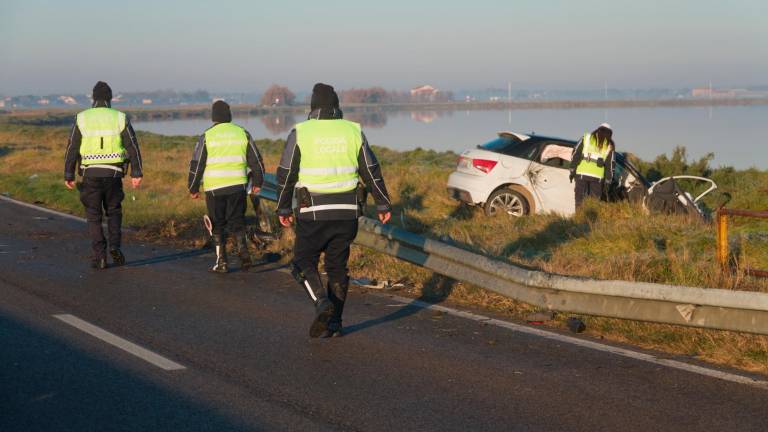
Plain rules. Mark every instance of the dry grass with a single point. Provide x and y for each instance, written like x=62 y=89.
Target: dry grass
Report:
x=613 y=241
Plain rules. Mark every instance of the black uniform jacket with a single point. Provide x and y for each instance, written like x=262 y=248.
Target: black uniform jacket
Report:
x=197 y=167
x=72 y=155
x=610 y=161
x=369 y=171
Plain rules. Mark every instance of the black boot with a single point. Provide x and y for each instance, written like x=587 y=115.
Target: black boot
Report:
x=99 y=263
x=312 y=284
x=220 y=244
x=337 y=294
x=118 y=258
x=242 y=250
x=323 y=316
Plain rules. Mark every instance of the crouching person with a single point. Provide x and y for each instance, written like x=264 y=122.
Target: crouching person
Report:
x=223 y=156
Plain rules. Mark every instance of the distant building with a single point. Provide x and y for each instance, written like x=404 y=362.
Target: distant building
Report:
x=2 y=104
x=706 y=92
x=68 y=100
x=424 y=92
x=146 y=101
x=43 y=101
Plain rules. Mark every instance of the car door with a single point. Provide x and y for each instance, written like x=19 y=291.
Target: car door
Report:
x=549 y=176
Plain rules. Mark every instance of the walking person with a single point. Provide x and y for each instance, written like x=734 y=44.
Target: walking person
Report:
x=592 y=163
x=101 y=145
x=323 y=161
x=223 y=156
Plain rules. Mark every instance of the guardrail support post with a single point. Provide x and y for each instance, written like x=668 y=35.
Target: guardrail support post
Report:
x=722 y=238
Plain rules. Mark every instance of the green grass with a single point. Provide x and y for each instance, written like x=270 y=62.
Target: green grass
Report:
x=607 y=241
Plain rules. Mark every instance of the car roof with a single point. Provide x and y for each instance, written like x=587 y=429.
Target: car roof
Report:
x=524 y=137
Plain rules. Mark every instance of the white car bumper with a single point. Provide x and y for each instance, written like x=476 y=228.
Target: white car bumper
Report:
x=468 y=188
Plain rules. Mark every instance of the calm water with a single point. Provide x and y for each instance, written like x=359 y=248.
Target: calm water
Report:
x=736 y=135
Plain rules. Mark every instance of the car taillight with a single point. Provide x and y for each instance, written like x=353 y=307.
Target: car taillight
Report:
x=484 y=165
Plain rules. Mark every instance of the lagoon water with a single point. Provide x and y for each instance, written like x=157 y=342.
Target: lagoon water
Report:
x=738 y=136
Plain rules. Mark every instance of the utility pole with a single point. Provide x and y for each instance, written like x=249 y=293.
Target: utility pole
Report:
x=605 y=98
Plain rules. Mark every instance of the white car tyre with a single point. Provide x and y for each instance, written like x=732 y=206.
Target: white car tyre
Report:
x=506 y=201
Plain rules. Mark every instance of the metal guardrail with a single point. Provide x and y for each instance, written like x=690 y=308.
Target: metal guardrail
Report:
x=687 y=306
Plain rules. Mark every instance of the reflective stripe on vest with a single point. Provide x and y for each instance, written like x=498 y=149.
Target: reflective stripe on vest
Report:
x=323 y=207
x=590 y=154
x=329 y=150
x=101 y=130
x=226 y=145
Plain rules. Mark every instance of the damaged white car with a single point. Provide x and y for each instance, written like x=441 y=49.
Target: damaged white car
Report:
x=519 y=174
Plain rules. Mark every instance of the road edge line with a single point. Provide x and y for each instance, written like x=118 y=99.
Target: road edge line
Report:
x=649 y=358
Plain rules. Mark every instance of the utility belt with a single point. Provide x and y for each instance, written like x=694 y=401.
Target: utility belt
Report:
x=116 y=167
x=597 y=160
x=352 y=201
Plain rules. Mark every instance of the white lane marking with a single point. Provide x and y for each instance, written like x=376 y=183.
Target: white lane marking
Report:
x=117 y=341
x=54 y=212
x=42 y=209
x=740 y=379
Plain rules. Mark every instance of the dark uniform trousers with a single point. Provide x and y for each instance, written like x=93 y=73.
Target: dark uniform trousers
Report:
x=103 y=196
x=334 y=237
x=587 y=186
x=227 y=212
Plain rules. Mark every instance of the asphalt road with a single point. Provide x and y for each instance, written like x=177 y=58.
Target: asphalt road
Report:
x=248 y=363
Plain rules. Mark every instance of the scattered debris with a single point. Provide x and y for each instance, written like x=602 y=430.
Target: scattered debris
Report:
x=540 y=317
x=33 y=176
x=373 y=284
x=576 y=325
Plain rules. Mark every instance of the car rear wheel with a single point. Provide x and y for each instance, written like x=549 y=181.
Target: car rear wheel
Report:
x=506 y=201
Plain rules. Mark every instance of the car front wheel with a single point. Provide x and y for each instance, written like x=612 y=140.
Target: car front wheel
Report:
x=506 y=201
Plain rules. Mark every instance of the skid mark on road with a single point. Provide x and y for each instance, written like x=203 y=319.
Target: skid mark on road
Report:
x=117 y=341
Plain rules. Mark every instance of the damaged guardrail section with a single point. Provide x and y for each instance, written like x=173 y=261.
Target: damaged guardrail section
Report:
x=688 y=306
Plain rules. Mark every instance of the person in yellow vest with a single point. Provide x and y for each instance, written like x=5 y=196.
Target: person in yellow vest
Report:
x=224 y=159
x=592 y=163
x=101 y=145
x=323 y=161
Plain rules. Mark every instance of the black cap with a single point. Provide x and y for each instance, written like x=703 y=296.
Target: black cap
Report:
x=220 y=112
x=323 y=96
x=102 y=92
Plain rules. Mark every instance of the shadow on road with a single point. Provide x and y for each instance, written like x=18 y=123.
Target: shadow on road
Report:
x=435 y=290
x=166 y=258
x=48 y=384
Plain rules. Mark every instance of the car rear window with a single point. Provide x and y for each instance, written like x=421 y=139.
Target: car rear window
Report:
x=511 y=147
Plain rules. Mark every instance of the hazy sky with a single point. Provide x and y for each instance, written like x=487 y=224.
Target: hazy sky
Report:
x=53 y=46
